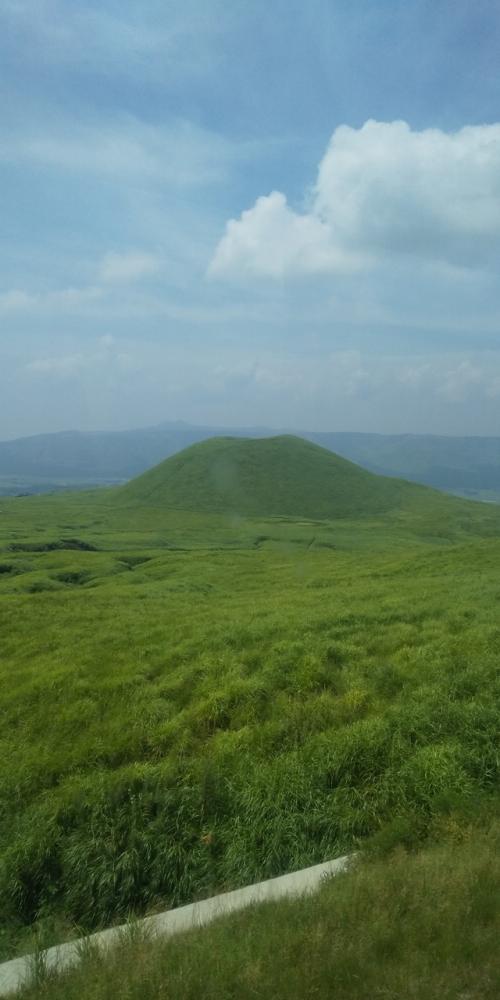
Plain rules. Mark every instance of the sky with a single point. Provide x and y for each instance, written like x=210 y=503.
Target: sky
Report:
x=250 y=212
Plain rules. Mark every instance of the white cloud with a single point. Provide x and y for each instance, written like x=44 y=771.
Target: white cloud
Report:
x=381 y=190
x=60 y=367
x=343 y=377
x=61 y=299
x=117 y=267
x=271 y=239
x=124 y=148
x=105 y=354
x=460 y=381
x=114 y=269
x=16 y=300
x=128 y=40
x=70 y=298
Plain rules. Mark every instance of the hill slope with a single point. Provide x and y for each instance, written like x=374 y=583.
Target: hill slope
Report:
x=210 y=701
x=401 y=925
x=280 y=476
x=75 y=459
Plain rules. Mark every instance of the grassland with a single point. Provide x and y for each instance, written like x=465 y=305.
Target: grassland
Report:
x=196 y=701
x=421 y=926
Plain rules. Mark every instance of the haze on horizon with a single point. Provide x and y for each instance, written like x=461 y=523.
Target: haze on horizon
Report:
x=283 y=215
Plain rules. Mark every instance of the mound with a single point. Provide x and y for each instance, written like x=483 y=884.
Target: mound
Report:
x=280 y=476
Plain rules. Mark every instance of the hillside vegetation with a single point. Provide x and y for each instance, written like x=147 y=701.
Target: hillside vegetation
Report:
x=421 y=926
x=281 y=476
x=75 y=459
x=195 y=701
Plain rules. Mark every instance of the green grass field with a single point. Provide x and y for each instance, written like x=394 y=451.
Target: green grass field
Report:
x=421 y=926
x=195 y=701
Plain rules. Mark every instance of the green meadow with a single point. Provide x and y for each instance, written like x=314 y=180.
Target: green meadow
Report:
x=199 y=692
x=418 y=926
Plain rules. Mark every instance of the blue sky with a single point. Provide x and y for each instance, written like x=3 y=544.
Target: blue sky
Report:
x=250 y=213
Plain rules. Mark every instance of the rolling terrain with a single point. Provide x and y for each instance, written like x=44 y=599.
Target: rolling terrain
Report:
x=251 y=658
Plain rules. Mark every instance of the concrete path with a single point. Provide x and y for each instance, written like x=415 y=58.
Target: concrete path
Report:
x=16 y=973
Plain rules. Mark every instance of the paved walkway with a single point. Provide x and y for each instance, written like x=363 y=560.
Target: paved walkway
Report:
x=15 y=973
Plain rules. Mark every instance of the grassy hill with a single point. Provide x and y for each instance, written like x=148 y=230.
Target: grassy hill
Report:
x=193 y=701
x=279 y=477
x=75 y=459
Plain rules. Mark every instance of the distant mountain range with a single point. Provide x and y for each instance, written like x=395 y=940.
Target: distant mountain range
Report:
x=74 y=459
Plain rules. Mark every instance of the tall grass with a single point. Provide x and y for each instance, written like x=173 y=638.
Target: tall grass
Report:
x=421 y=926
x=229 y=701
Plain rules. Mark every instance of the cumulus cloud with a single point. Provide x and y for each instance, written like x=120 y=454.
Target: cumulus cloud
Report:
x=381 y=190
x=271 y=239
x=116 y=267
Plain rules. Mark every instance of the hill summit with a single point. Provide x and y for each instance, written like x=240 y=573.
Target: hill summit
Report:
x=256 y=477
